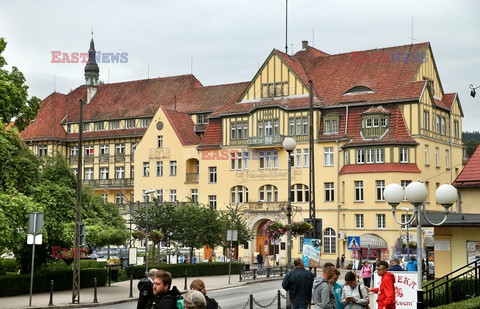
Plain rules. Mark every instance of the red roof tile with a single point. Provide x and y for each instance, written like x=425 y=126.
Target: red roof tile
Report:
x=46 y=125
x=470 y=175
x=334 y=75
x=397 y=131
x=183 y=126
x=380 y=168
x=213 y=134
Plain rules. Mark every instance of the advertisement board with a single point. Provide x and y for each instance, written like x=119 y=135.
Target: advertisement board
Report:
x=405 y=289
x=311 y=252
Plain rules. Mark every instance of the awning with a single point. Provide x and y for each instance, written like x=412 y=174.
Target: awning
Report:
x=373 y=241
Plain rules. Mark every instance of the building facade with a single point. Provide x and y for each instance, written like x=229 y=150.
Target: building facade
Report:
x=379 y=116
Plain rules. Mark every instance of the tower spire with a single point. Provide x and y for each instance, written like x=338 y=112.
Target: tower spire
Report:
x=91 y=68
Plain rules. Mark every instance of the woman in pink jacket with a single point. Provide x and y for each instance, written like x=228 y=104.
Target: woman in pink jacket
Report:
x=366 y=273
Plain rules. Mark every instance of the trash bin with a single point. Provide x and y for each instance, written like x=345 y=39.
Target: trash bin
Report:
x=247 y=267
x=114 y=274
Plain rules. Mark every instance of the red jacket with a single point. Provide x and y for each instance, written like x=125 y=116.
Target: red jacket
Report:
x=386 y=292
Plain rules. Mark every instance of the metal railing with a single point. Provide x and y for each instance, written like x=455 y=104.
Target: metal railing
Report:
x=458 y=285
x=109 y=183
x=269 y=140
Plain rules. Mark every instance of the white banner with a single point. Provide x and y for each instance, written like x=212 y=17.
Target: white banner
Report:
x=405 y=289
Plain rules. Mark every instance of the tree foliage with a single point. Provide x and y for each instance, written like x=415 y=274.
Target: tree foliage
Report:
x=28 y=184
x=14 y=102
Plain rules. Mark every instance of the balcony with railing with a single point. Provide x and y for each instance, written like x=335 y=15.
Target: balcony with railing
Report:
x=109 y=183
x=191 y=178
x=262 y=206
x=262 y=141
x=103 y=158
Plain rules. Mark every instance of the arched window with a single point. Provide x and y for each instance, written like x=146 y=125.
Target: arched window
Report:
x=239 y=194
x=268 y=193
x=329 y=241
x=299 y=193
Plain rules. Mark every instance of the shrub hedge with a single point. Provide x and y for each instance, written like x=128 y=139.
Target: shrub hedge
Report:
x=20 y=284
x=193 y=270
x=9 y=265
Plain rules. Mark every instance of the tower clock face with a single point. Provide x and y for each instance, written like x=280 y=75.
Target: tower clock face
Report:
x=159 y=125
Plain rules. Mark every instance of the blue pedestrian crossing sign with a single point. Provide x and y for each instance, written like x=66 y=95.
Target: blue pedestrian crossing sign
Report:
x=353 y=242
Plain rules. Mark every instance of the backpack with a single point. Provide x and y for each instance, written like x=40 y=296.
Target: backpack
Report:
x=367 y=306
x=180 y=303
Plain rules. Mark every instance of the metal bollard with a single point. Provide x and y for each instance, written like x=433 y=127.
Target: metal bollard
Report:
x=95 y=291
x=50 y=303
x=251 y=301
x=185 y=286
x=279 y=300
x=254 y=274
x=240 y=278
x=281 y=271
x=268 y=272
x=131 y=287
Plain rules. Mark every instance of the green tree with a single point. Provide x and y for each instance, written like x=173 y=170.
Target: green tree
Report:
x=18 y=165
x=232 y=219
x=197 y=225
x=14 y=102
x=23 y=189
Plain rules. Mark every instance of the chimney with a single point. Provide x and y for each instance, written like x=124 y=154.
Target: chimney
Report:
x=304 y=44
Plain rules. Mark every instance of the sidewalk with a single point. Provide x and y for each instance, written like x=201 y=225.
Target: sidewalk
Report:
x=116 y=293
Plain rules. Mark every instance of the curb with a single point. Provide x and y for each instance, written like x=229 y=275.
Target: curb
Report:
x=135 y=299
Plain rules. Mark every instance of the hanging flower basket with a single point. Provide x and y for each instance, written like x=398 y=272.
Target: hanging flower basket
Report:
x=300 y=228
x=274 y=230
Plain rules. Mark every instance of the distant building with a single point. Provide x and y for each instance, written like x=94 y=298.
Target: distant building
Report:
x=379 y=116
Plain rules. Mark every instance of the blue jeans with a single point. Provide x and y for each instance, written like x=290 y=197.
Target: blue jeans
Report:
x=299 y=306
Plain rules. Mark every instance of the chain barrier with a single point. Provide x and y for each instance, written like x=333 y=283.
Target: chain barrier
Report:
x=261 y=306
x=244 y=306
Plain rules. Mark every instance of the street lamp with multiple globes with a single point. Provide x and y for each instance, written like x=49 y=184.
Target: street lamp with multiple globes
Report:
x=416 y=193
x=289 y=145
x=147 y=201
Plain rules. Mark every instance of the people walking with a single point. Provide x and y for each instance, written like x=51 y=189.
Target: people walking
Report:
x=199 y=285
x=412 y=265
x=395 y=265
x=354 y=294
x=260 y=262
x=337 y=289
x=145 y=288
x=323 y=296
x=366 y=273
x=298 y=282
x=386 y=291
x=166 y=297
x=194 y=300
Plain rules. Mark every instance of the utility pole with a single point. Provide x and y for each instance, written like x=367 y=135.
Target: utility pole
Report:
x=78 y=213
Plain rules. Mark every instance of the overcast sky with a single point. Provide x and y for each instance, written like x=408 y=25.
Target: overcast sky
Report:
x=225 y=41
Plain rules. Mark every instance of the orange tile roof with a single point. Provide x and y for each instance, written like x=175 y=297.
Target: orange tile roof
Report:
x=380 y=168
x=46 y=125
x=213 y=134
x=391 y=79
x=470 y=175
x=183 y=126
x=397 y=132
x=132 y=99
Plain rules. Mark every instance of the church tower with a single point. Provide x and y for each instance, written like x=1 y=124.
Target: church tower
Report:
x=91 y=72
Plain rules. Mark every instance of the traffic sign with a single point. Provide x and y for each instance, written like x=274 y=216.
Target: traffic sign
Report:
x=353 y=242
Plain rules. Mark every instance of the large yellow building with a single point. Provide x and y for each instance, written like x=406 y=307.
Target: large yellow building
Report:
x=379 y=116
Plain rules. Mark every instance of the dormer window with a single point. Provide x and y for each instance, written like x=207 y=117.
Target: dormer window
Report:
x=375 y=122
x=330 y=124
x=358 y=90
x=202 y=118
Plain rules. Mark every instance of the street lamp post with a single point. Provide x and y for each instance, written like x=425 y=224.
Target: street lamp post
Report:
x=147 y=201
x=289 y=145
x=416 y=193
x=407 y=226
